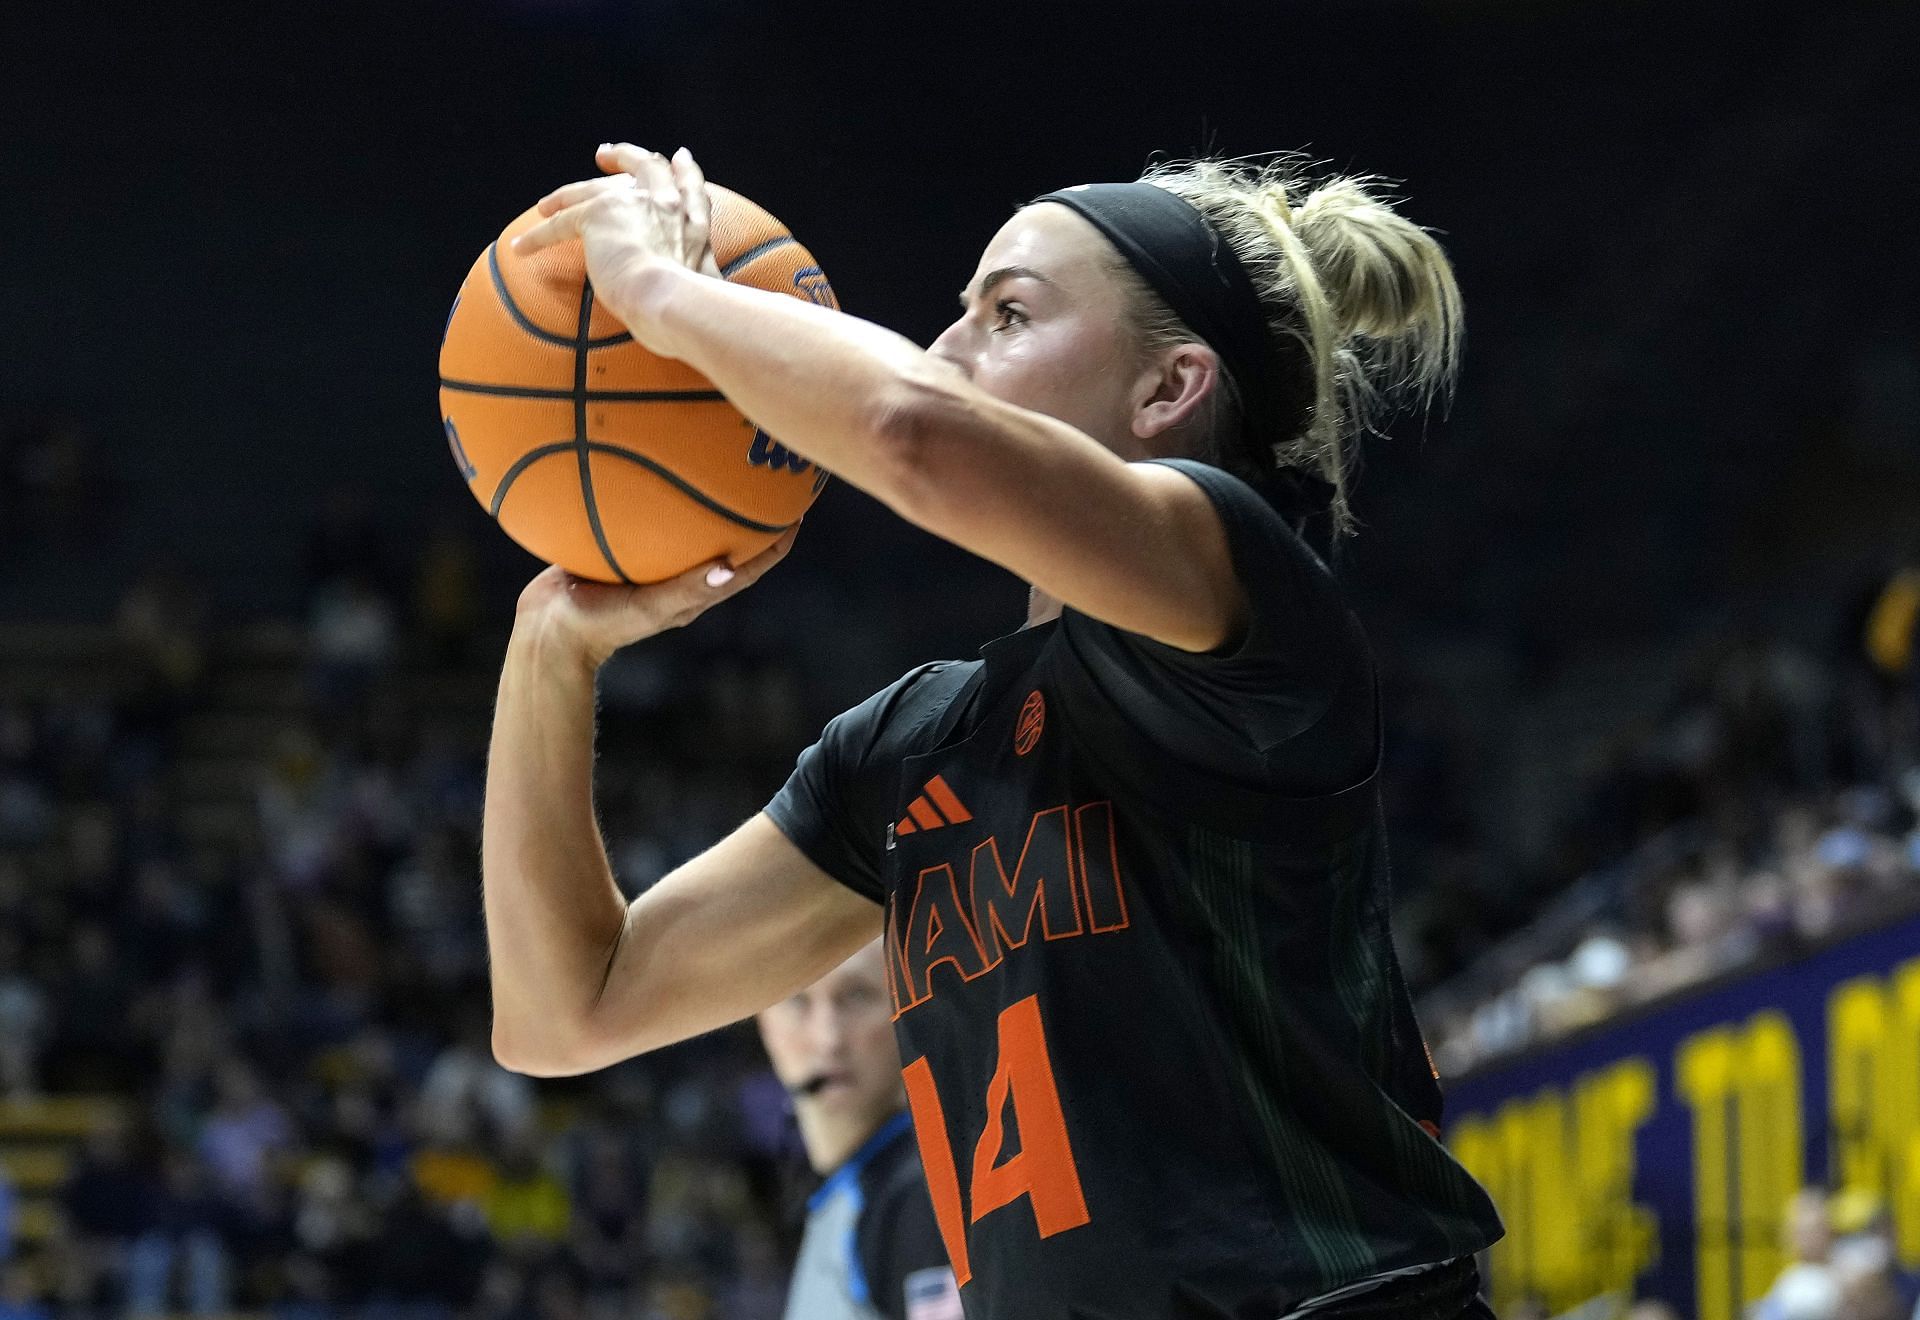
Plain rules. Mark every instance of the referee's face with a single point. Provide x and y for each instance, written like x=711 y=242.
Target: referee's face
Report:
x=832 y=1047
x=1044 y=326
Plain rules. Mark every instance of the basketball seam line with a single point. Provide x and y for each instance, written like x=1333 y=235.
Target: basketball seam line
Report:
x=688 y=489
x=521 y=464
x=580 y=395
x=520 y=318
x=580 y=432
x=597 y=396
x=667 y=475
x=754 y=252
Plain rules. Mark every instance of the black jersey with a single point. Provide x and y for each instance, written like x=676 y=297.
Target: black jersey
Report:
x=1161 y=1060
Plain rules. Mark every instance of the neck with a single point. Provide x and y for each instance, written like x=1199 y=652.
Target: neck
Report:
x=1041 y=608
x=831 y=1139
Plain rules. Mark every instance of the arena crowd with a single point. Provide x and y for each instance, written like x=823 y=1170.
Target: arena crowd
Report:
x=292 y=1022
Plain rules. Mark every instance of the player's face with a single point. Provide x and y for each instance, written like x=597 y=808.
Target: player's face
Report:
x=1045 y=326
x=832 y=1044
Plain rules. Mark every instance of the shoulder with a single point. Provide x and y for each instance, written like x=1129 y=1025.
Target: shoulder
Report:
x=900 y=717
x=1299 y=656
x=1253 y=520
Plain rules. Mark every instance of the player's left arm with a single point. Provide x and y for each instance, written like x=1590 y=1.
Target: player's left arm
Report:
x=1138 y=546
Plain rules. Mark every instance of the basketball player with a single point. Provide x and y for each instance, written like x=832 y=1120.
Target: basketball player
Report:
x=871 y=1247
x=1129 y=865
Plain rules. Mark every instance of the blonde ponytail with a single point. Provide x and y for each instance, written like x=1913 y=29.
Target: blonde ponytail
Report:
x=1366 y=297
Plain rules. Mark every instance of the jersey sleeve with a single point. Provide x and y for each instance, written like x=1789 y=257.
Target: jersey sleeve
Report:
x=908 y=1275
x=835 y=805
x=1266 y=686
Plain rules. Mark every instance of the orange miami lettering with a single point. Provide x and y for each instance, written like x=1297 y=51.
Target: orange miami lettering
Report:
x=1066 y=883
x=1066 y=880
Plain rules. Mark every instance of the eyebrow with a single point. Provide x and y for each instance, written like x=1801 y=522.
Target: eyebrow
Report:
x=997 y=277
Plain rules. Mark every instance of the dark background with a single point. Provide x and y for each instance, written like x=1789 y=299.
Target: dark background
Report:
x=1689 y=407
x=1617 y=591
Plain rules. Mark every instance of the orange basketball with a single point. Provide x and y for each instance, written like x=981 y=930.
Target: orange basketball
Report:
x=590 y=451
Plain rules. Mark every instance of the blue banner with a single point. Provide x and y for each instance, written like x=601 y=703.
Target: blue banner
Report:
x=1654 y=1155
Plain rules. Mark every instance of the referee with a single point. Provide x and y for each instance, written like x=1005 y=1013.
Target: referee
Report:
x=871 y=1247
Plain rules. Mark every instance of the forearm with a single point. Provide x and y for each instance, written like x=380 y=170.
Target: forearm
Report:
x=553 y=912
x=821 y=382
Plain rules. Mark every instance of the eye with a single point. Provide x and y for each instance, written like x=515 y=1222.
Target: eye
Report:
x=1006 y=315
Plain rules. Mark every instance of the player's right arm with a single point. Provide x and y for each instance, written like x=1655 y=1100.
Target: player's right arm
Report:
x=581 y=978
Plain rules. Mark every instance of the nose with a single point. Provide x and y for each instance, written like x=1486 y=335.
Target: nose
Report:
x=829 y=1031
x=948 y=348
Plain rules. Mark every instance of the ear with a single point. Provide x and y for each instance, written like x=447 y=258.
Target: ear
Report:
x=1171 y=391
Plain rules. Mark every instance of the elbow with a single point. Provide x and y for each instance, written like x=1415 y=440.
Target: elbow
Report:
x=512 y=1051
x=543 y=1051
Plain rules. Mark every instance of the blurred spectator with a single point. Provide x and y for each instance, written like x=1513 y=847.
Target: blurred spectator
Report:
x=1807 y=1289
x=450 y=1168
x=243 y=1133
x=180 y=1252
x=527 y=1208
x=22 y=1295
x=424 y=1263
x=1870 y=1297
x=465 y=1088
x=1652 y=1311
x=354 y=642
x=296 y=1010
x=1865 y=1260
x=107 y=1203
x=1702 y=898
x=162 y=624
x=759 y=1287
x=7 y=1217
x=298 y=801
x=1892 y=631
x=24 y=1023
x=609 y=1220
x=26 y=807
x=295 y=1015
x=92 y=1044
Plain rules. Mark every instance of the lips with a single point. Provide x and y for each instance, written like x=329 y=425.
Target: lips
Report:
x=822 y=1082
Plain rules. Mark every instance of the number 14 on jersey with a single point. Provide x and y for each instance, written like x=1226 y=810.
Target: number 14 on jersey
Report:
x=1042 y=1170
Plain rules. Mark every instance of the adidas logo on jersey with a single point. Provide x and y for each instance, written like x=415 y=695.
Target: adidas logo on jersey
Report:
x=935 y=808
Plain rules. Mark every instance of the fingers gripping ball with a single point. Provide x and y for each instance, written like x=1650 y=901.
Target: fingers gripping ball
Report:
x=590 y=451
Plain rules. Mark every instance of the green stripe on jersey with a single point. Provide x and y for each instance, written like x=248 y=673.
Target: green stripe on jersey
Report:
x=1317 y=1194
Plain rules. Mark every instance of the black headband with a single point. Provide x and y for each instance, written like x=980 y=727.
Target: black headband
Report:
x=1193 y=268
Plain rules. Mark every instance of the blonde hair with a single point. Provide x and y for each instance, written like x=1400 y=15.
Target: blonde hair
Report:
x=1360 y=300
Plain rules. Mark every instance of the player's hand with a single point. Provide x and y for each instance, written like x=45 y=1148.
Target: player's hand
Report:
x=592 y=620
x=647 y=208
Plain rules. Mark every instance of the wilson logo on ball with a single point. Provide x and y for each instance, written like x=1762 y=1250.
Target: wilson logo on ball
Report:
x=811 y=282
x=767 y=452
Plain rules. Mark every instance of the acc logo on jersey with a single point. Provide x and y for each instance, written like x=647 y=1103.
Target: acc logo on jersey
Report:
x=1033 y=718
